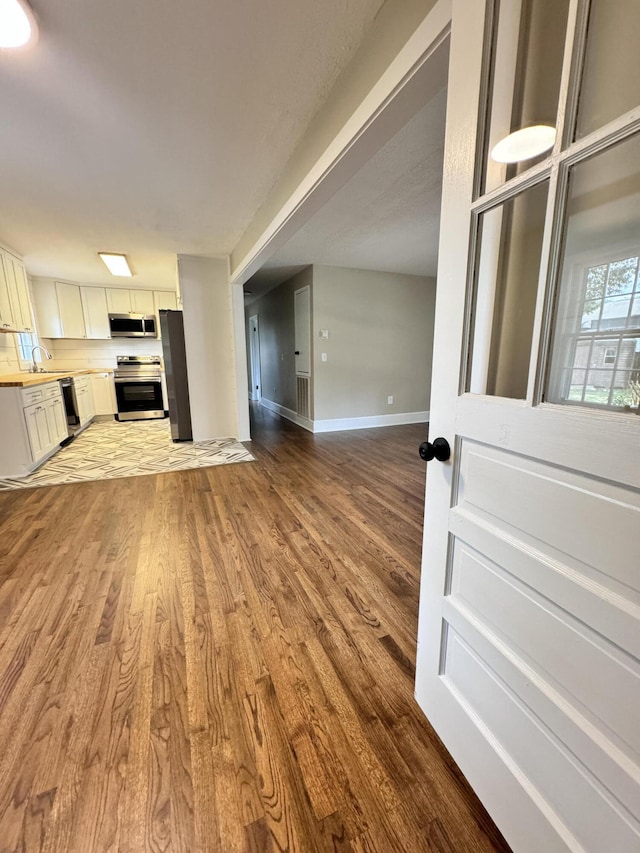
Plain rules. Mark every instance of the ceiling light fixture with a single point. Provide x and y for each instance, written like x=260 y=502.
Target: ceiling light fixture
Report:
x=18 y=27
x=116 y=264
x=524 y=144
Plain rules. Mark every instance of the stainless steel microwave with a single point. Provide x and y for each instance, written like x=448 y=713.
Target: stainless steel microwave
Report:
x=133 y=326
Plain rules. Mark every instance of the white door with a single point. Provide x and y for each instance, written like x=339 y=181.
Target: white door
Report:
x=6 y=312
x=254 y=347
x=19 y=292
x=528 y=661
x=96 y=316
x=118 y=300
x=142 y=301
x=302 y=311
x=71 y=314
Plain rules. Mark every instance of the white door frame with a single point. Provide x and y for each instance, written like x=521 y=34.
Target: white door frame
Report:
x=255 y=369
x=411 y=78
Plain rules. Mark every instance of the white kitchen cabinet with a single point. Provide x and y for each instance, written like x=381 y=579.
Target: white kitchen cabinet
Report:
x=142 y=301
x=48 y=318
x=18 y=292
x=118 y=300
x=70 y=308
x=58 y=309
x=164 y=299
x=96 y=315
x=35 y=419
x=104 y=393
x=6 y=313
x=84 y=399
x=33 y=423
x=15 y=301
x=121 y=301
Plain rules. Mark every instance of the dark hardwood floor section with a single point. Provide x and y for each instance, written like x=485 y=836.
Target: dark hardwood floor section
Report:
x=222 y=659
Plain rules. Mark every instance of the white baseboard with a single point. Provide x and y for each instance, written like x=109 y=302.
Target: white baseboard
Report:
x=289 y=414
x=338 y=424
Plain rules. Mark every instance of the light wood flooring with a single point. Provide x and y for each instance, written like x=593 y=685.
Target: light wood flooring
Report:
x=222 y=659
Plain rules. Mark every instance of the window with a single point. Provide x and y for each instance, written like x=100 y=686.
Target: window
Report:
x=603 y=356
x=25 y=342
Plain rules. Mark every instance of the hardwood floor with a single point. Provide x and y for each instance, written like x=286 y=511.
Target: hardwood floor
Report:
x=222 y=659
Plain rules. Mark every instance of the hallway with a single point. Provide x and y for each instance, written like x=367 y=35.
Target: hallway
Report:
x=222 y=659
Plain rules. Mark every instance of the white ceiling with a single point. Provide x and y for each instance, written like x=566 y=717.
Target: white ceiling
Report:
x=158 y=127
x=387 y=217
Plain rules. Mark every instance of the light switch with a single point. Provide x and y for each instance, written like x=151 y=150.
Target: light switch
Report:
x=324 y=356
x=324 y=334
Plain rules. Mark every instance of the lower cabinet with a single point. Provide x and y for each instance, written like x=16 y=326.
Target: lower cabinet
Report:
x=33 y=423
x=46 y=426
x=104 y=393
x=84 y=399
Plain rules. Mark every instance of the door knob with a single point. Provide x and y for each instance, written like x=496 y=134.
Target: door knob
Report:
x=297 y=352
x=439 y=450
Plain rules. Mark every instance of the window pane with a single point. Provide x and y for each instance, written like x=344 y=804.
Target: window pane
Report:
x=596 y=346
x=506 y=292
x=612 y=64
x=526 y=68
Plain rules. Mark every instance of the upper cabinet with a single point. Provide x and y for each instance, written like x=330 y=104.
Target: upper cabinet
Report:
x=15 y=302
x=142 y=301
x=66 y=310
x=118 y=300
x=59 y=309
x=96 y=316
x=121 y=301
x=70 y=308
x=165 y=299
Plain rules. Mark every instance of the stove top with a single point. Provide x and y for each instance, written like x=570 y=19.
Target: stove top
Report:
x=138 y=360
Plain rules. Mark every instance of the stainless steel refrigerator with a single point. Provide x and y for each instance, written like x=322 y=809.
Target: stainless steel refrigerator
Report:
x=175 y=367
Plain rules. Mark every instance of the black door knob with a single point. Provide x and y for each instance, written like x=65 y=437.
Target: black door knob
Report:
x=439 y=450
x=297 y=352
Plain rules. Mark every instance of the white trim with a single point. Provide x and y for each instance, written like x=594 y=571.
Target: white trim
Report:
x=289 y=414
x=338 y=424
x=401 y=90
x=341 y=424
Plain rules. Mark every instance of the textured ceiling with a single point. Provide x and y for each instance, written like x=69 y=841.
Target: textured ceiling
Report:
x=156 y=127
x=387 y=217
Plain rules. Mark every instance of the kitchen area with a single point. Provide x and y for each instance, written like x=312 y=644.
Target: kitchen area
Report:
x=76 y=356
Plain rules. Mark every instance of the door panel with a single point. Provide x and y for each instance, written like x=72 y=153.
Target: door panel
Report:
x=528 y=659
x=556 y=782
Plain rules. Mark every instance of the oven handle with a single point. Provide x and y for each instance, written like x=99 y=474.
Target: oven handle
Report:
x=120 y=379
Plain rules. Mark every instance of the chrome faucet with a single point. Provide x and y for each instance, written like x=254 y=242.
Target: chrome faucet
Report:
x=34 y=367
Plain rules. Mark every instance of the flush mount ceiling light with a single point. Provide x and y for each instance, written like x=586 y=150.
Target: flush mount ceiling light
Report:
x=116 y=264
x=524 y=144
x=18 y=27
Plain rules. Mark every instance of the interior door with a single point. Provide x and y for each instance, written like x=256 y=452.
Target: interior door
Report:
x=302 y=311
x=254 y=346
x=528 y=660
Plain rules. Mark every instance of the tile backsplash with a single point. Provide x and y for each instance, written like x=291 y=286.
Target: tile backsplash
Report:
x=82 y=353
x=77 y=354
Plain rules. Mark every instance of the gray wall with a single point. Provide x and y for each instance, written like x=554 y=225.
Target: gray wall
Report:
x=277 y=344
x=380 y=342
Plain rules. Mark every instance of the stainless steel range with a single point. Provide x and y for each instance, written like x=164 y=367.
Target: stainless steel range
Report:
x=138 y=381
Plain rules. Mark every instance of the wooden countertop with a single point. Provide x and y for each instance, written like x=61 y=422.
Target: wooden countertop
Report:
x=24 y=380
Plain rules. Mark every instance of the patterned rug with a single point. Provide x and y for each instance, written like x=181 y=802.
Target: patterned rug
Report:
x=111 y=449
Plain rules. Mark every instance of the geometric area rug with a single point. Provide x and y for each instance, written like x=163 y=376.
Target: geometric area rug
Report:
x=109 y=449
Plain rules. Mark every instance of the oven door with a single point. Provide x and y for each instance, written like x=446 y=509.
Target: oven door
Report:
x=139 y=398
